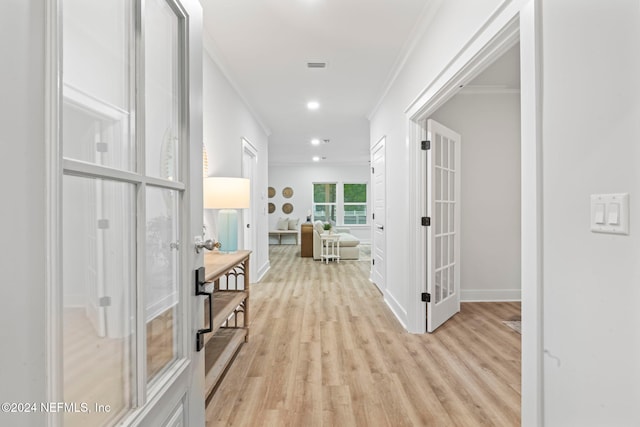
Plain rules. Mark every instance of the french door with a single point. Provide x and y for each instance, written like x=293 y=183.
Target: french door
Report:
x=443 y=234
x=126 y=351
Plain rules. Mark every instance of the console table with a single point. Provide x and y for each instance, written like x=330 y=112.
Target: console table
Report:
x=306 y=237
x=230 y=327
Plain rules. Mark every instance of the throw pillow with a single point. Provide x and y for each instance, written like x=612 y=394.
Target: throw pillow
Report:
x=293 y=224
x=283 y=224
x=318 y=227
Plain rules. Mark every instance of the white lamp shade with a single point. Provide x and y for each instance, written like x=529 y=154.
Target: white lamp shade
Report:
x=226 y=193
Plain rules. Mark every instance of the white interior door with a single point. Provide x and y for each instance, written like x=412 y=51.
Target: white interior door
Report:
x=378 y=246
x=249 y=165
x=443 y=234
x=128 y=156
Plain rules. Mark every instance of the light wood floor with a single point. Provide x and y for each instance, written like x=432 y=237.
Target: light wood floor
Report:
x=325 y=350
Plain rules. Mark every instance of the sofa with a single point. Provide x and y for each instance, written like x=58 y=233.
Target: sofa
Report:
x=349 y=248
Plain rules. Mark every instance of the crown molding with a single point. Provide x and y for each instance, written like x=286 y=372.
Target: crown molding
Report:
x=211 y=49
x=426 y=17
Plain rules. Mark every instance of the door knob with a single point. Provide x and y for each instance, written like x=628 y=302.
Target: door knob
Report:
x=207 y=244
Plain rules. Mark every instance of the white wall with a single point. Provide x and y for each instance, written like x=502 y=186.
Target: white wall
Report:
x=489 y=125
x=591 y=144
x=23 y=256
x=455 y=22
x=301 y=178
x=227 y=120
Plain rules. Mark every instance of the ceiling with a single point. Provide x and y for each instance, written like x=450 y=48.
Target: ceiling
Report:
x=264 y=46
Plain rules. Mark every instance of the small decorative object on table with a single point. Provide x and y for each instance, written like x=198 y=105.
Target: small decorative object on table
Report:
x=327 y=227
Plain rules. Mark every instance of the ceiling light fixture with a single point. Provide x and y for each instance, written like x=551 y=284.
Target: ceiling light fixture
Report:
x=315 y=141
x=313 y=105
x=316 y=159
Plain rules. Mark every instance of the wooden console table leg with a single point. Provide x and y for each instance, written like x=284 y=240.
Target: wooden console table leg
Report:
x=247 y=281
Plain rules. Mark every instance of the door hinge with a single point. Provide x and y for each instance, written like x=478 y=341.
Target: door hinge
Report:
x=373 y=170
x=103 y=224
x=373 y=261
x=373 y=216
x=426 y=145
x=426 y=221
x=425 y=297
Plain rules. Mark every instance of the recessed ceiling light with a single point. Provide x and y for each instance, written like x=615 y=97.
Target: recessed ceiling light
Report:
x=316 y=159
x=315 y=141
x=313 y=105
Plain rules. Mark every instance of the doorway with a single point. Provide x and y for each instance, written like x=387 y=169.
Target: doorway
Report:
x=519 y=23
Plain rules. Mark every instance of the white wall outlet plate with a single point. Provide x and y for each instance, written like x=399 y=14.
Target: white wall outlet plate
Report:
x=610 y=213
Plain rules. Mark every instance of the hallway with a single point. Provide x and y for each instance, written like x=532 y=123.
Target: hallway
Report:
x=325 y=350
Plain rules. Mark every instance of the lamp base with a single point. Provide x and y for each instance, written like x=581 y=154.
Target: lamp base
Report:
x=228 y=230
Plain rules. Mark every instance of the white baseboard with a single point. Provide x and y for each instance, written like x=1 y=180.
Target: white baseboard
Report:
x=490 y=295
x=396 y=309
x=262 y=271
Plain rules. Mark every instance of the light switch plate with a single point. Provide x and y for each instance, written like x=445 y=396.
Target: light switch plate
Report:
x=615 y=217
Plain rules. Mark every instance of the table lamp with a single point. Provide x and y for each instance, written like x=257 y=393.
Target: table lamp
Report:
x=227 y=194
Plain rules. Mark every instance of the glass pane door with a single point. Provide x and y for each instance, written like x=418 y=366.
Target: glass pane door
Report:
x=163 y=137
x=122 y=199
x=163 y=131
x=162 y=276
x=98 y=275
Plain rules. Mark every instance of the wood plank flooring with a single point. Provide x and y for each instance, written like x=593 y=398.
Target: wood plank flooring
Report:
x=326 y=351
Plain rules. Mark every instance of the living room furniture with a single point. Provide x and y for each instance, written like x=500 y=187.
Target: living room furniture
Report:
x=349 y=249
x=330 y=247
x=306 y=240
x=280 y=233
x=230 y=320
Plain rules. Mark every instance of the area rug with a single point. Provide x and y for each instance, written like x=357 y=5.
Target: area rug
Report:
x=516 y=325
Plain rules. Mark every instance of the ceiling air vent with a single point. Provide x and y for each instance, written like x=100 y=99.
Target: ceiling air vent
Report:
x=316 y=65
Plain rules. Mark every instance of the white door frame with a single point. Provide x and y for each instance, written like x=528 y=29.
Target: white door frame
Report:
x=511 y=22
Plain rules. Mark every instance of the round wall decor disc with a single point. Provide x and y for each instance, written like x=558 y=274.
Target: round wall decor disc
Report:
x=287 y=192
x=272 y=208
x=287 y=208
x=272 y=192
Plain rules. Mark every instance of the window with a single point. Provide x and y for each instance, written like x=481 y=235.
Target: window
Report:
x=355 y=204
x=324 y=202
x=342 y=204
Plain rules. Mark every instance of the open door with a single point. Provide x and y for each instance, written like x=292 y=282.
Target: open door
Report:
x=378 y=248
x=443 y=233
x=249 y=216
x=130 y=196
